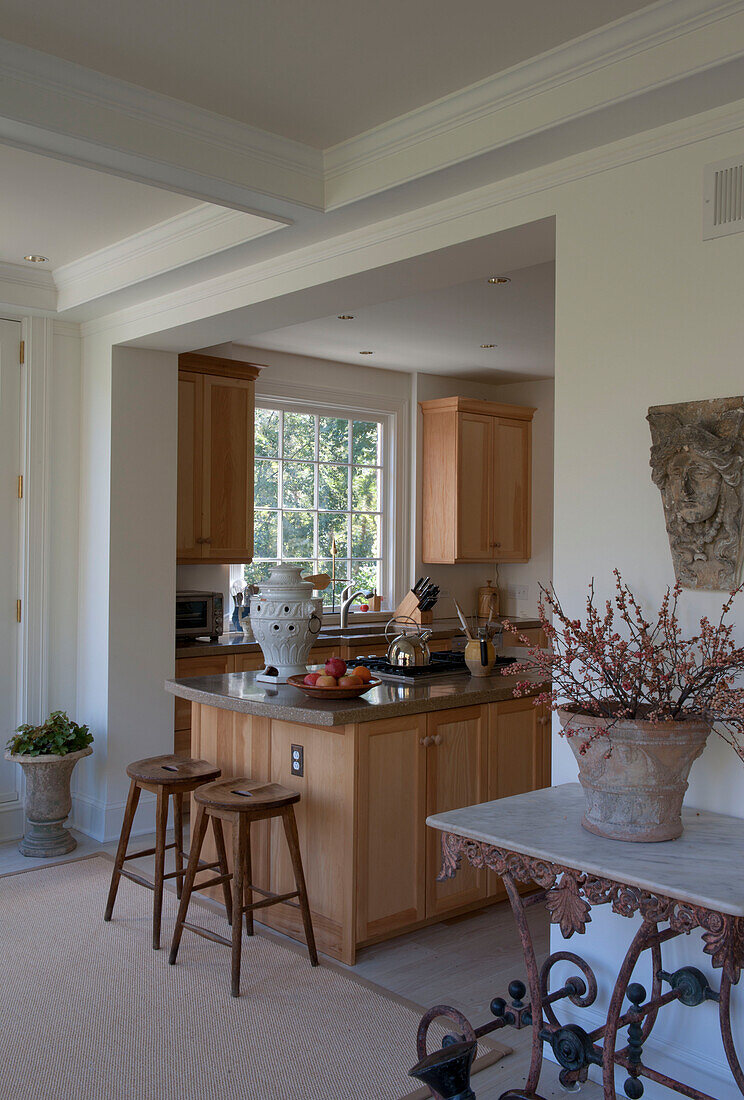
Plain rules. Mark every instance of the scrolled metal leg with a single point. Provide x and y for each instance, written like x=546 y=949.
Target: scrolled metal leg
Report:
x=647 y=933
x=724 y=1011
x=533 y=979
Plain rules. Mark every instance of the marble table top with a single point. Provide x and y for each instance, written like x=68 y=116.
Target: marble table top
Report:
x=705 y=866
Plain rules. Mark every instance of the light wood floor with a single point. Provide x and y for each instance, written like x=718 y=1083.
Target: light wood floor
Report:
x=463 y=962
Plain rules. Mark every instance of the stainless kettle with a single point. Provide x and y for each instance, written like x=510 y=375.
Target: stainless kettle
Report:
x=408 y=649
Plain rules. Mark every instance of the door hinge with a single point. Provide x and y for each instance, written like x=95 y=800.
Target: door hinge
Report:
x=20 y=486
x=22 y=352
x=18 y=611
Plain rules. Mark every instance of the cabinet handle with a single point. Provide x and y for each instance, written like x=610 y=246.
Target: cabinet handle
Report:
x=496 y=544
x=425 y=741
x=203 y=540
x=436 y=739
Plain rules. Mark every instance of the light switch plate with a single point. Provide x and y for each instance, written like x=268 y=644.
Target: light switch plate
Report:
x=518 y=591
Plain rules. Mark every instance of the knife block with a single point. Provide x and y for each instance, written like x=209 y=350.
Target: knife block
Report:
x=409 y=606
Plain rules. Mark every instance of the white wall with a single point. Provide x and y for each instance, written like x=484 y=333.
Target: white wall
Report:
x=647 y=313
x=462 y=581
x=127 y=573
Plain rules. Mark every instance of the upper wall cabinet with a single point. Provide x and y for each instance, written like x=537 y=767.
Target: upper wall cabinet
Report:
x=215 y=459
x=476 y=481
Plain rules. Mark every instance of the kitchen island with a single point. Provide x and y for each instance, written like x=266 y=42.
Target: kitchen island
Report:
x=372 y=770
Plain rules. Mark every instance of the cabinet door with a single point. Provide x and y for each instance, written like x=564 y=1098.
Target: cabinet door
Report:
x=456 y=773
x=190 y=445
x=512 y=477
x=474 y=487
x=391 y=862
x=248 y=662
x=227 y=487
x=518 y=756
x=193 y=666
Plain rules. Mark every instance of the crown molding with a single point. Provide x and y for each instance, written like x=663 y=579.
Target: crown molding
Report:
x=341 y=255
x=46 y=96
x=473 y=120
x=27 y=288
x=185 y=238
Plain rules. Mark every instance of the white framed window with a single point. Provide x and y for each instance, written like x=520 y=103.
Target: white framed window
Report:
x=325 y=472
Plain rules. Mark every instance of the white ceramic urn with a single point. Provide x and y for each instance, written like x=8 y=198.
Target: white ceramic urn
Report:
x=286 y=619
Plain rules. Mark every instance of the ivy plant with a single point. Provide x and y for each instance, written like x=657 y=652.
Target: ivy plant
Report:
x=57 y=736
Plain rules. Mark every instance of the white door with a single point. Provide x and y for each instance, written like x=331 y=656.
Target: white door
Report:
x=10 y=513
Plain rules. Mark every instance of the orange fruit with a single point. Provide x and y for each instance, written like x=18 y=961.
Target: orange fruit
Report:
x=363 y=673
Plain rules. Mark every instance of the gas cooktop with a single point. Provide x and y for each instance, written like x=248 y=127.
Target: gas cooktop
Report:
x=442 y=664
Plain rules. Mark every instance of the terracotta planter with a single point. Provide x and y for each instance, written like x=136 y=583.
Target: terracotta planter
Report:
x=48 y=802
x=635 y=774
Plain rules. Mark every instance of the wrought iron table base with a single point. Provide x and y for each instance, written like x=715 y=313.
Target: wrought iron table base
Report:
x=569 y=895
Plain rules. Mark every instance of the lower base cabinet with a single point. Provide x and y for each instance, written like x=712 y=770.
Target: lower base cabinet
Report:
x=371 y=863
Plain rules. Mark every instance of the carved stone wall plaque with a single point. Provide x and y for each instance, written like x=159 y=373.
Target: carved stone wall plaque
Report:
x=697 y=461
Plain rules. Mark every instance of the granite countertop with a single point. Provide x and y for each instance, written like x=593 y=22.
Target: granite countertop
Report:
x=240 y=692
x=235 y=643
x=705 y=866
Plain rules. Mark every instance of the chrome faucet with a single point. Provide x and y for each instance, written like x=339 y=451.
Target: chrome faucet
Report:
x=347 y=599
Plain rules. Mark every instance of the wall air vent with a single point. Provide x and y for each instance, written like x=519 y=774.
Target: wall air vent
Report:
x=723 y=206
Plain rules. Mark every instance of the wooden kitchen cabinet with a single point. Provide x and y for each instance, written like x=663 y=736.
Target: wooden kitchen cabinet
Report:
x=215 y=459
x=519 y=735
x=194 y=666
x=391 y=816
x=456 y=775
x=476 y=481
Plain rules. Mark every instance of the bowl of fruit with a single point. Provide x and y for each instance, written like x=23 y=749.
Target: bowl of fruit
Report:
x=336 y=681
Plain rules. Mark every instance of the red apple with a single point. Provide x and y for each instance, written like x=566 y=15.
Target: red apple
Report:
x=311 y=678
x=349 y=681
x=326 y=682
x=334 y=666
x=364 y=607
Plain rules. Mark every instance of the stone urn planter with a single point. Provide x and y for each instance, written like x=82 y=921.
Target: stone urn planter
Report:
x=48 y=802
x=634 y=772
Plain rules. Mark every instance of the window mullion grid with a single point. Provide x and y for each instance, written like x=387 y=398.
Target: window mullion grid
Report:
x=316 y=497
x=280 y=499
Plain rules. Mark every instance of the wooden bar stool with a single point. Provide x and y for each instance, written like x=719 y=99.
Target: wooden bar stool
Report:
x=242 y=801
x=165 y=776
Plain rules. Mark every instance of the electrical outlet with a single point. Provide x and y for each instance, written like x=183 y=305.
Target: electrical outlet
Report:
x=518 y=591
x=297 y=763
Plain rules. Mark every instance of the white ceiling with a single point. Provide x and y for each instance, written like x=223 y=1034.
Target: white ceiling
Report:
x=440 y=331
x=317 y=72
x=65 y=212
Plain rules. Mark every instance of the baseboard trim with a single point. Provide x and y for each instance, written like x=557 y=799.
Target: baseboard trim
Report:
x=103 y=820
x=11 y=820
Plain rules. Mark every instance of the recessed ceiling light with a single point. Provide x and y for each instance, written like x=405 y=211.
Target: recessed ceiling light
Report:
x=346 y=316
x=489 y=345
x=499 y=280
x=35 y=258
x=366 y=353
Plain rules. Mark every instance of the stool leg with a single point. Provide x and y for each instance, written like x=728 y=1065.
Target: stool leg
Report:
x=219 y=841
x=247 y=892
x=197 y=839
x=239 y=846
x=293 y=842
x=121 y=851
x=161 y=825
x=178 y=830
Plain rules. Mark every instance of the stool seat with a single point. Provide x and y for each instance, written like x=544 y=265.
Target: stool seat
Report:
x=172 y=770
x=245 y=795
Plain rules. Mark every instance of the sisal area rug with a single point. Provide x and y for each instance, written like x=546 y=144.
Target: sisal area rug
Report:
x=88 y=1011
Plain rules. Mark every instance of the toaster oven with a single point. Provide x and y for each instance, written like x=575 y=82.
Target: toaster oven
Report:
x=199 y=614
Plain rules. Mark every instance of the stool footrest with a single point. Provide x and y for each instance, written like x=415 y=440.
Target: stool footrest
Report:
x=216 y=881
x=147 y=852
x=270 y=899
x=207 y=933
x=202 y=867
x=137 y=878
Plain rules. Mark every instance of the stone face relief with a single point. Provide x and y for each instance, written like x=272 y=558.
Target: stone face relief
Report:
x=697 y=461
